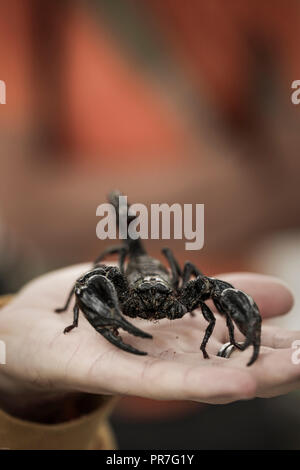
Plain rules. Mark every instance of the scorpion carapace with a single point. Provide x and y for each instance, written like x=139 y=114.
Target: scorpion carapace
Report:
x=145 y=288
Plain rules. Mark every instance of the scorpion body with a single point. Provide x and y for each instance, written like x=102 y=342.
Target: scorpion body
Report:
x=145 y=288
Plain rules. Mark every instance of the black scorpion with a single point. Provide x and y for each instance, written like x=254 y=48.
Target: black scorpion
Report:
x=145 y=288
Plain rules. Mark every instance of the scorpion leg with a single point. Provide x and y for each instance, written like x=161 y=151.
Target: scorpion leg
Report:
x=65 y=307
x=174 y=265
x=111 y=250
x=194 y=292
x=189 y=269
x=209 y=316
x=122 y=257
x=75 y=319
x=121 y=250
x=192 y=296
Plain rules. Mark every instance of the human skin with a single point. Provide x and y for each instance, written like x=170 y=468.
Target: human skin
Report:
x=44 y=365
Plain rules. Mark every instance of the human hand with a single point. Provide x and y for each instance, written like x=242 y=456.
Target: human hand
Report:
x=42 y=362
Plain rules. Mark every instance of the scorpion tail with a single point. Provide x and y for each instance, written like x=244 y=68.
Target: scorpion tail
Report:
x=135 y=247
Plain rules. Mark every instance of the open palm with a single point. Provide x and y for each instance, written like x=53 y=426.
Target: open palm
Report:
x=41 y=359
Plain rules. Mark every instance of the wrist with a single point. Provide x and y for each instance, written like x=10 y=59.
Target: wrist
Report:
x=18 y=401
x=49 y=408
x=22 y=400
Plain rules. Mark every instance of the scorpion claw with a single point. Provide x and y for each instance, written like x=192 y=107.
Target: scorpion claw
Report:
x=254 y=355
x=105 y=315
x=117 y=341
x=245 y=314
x=125 y=325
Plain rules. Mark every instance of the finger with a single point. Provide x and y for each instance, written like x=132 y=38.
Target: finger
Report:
x=276 y=371
x=272 y=296
x=274 y=337
x=166 y=380
x=278 y=338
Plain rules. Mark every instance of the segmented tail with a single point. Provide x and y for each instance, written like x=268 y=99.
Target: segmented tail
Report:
x=135 y=247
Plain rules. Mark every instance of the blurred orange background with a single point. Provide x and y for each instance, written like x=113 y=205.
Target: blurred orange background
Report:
x=170 y=102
